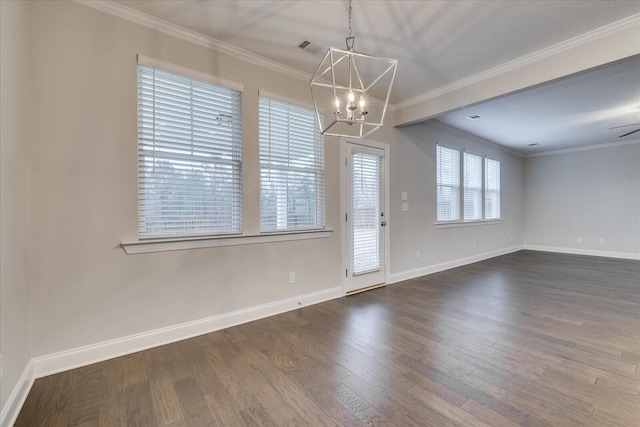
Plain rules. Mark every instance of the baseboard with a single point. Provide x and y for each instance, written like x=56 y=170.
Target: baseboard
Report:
x=590 y=252
x=82 y=356
x=19 y=394
x=430 y=269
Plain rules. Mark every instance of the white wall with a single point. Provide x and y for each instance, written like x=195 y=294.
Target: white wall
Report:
x=413 y=170
x=15 y=345
x=593 y=194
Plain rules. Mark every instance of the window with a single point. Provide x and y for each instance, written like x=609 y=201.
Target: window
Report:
x=480 y=191
x=472 y=187
x=491 y=189
x=448 y=183
x=291 y=168
x=189 y=156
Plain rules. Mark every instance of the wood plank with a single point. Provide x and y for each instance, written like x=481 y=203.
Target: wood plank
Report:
x=528 y=339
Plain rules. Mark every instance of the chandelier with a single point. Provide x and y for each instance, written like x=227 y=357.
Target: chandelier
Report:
x=352 y=90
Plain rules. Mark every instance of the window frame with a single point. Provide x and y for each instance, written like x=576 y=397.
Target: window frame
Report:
x=194 y=160
x=487 y=190
x=477 y=191
x=483 y=191
x=456 y=188
x=317 y=170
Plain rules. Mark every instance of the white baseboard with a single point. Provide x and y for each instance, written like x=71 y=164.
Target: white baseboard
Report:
x=19 y=394
x=82 y=356
x=429 y=269
x=590 y=252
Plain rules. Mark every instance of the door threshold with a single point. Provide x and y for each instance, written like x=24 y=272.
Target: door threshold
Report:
x=368 y=288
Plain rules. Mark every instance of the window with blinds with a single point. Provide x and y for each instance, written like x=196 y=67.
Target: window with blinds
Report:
x=491 y=189
x=481 y=186
x=448 y=184
x=189 y=156
x=472 y=187
x=367 y=186
x=291 y=168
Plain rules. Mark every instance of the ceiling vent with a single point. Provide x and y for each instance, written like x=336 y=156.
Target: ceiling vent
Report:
x=475 y=117
x=307 y=46
x=534 y=144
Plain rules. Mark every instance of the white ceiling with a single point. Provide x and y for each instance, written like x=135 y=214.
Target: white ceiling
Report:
x=437 y=43
x=574 y=112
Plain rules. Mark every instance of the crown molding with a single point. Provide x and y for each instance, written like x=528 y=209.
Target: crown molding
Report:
x=615 y=27
x=585 y=148
x=178 y=31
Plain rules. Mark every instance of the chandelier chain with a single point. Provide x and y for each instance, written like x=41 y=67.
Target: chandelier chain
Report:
x=350 y=18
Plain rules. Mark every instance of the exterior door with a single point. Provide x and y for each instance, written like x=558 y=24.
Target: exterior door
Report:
x=365 y=217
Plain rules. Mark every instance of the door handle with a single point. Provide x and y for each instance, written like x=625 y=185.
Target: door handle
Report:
x=383 y=223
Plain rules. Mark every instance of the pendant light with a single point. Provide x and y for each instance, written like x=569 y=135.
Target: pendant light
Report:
x=351 y=90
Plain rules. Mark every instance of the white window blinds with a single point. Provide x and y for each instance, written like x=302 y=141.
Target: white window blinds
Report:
x=472 y=187
x=491 y=189
x=448 y=184
x=367 y=183
x=291 y=168
x=189 y=156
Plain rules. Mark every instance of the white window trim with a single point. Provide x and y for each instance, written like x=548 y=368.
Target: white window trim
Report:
x=189 y=73
x=207 y=78
x=293 y=102
x=470 y=223
x=165 y=245
x=454 y=224
x=460 y=184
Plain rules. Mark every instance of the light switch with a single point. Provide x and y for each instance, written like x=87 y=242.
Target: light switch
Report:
x=405 y=206
x=404 y=196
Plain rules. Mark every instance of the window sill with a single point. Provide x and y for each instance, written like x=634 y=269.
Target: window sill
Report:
x=164 y=245
x=467 y=223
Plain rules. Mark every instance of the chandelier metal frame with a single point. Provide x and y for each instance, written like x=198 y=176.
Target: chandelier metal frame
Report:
x=352 y=119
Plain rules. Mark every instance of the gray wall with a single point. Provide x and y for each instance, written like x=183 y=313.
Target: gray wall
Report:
x=15 y=344
x=592 y=194
x=83 y=196
x=413 y=170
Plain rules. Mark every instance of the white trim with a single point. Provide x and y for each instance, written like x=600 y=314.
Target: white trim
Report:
x=598 y=33
x=82 y=356
x=164 y=245
x=18 y=396
x=178 y=31
x=586 y=148
x=588 y=252
x=386 y=153
x=430 y=269
x=121 y=11
x=454 y=224
x=287 y=100
x=189 y=73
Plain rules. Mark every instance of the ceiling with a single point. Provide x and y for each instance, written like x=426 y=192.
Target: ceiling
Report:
x=437 y=43
x=577 y=111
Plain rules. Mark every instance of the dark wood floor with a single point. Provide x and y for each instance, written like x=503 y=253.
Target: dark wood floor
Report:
x=530 y=339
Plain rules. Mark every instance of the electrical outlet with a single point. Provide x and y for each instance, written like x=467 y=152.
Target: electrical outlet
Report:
x=473 y=245
x=601 y=241
x=417 y=254
x=579 y=239
x=512 y=238
x=405 y=206
x=292 y=277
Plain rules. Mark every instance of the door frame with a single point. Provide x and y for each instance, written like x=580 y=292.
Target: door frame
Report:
x=346 y=262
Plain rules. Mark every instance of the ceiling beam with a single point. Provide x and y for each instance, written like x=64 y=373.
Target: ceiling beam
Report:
x=597 y=48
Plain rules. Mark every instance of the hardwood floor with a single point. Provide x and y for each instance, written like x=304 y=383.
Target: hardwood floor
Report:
x=529 y=339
